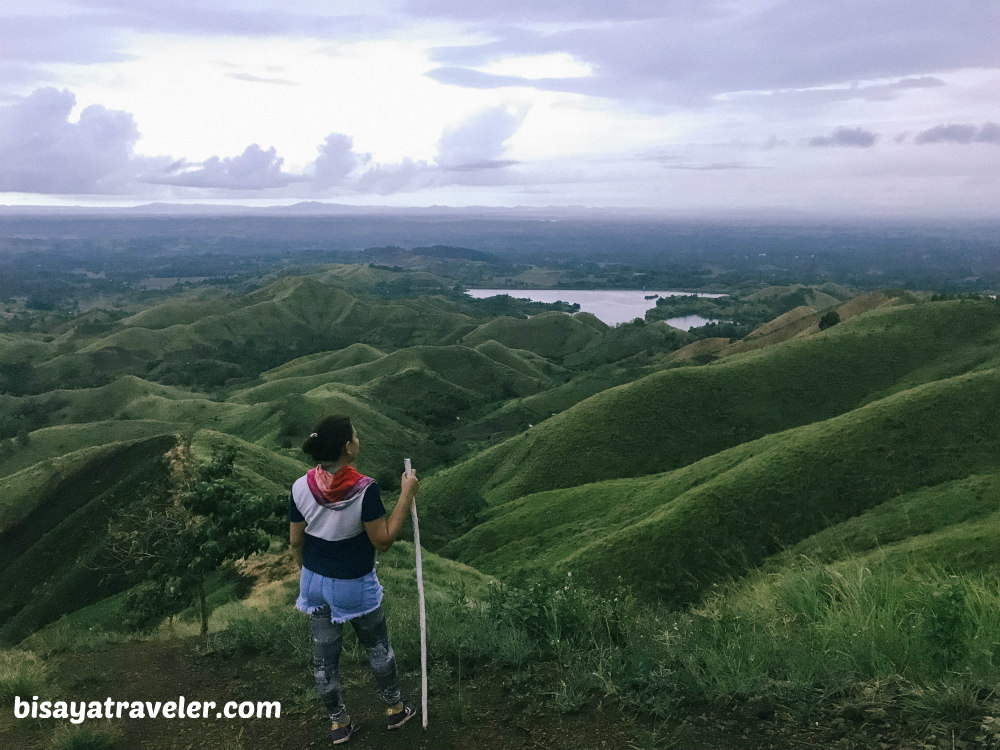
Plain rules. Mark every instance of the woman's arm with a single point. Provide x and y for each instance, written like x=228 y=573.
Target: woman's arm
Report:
x=383 y=531
x=296 y=540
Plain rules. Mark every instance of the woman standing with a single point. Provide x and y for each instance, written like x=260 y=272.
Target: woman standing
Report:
x=336 y=522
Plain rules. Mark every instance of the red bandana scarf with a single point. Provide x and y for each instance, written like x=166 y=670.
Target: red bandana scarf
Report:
x=329 y=489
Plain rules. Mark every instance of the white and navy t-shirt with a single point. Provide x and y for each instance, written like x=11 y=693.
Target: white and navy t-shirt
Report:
x=336 y=543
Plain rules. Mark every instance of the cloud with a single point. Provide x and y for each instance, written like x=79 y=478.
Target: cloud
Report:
x=254 y=169
x=821 y=95
x=555 y=10
x=259 y=79
x=856 y=137
x=468 y=154
x=58 y=38
x=964 y=134
x=394 y=178
x=41 y=151
x=686 y=54
x=229 y=17
x=479 y=141
x=337 y=160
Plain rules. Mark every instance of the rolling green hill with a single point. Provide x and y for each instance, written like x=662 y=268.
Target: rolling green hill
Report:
x=675 y=534
x=50 y=562
x=552 y=335
x=677 y=416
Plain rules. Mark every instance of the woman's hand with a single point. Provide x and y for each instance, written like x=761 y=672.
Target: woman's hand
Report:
x=409 y=486
x=383 y=531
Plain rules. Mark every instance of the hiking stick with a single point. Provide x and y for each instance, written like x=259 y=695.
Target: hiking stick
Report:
x=423 y=612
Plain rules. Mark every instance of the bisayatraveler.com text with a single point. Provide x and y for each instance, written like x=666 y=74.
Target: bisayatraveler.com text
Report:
x=79 y=711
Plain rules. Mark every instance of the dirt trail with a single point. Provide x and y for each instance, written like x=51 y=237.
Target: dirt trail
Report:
x=485 y=711
x=482 y=715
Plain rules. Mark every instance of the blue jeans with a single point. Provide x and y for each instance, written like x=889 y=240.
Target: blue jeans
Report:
x=327 y=638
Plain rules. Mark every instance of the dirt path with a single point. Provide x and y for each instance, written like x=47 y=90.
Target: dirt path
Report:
x=484 y=711
x=481 y=715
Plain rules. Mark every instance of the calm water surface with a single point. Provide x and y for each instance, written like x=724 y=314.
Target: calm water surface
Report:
x=612 y=306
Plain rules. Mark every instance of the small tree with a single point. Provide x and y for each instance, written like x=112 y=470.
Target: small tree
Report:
x=829 y=320
x=207 y=519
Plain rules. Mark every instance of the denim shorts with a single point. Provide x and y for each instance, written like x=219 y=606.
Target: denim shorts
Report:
x=347 y=598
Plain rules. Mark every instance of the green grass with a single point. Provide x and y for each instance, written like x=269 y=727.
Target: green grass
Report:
x=838 y=629
x=22 y=673
x=87 y=736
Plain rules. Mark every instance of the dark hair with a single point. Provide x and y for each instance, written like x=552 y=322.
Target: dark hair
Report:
x=328 y=438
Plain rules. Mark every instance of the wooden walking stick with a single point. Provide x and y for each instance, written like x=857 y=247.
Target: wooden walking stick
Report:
x=423 y=613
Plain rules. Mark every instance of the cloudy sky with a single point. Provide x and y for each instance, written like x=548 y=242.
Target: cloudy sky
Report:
x=844 y=106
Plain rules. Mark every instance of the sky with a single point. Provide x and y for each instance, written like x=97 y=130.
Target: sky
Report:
x=848 y=107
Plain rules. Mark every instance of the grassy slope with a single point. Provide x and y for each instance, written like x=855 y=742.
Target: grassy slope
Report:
x=56 y=515
x=718 y=517
x=49 y=561
x=675 y=417
x=551 y=334
x=324 y=362
x=291 y=315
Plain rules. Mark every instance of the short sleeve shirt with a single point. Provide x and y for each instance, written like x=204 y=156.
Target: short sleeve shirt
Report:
x=336 y=543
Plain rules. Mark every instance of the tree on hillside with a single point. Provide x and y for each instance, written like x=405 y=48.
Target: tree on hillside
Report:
x=829 y=320
x=172 y=544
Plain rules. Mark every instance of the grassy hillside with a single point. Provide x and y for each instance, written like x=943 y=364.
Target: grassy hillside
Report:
x=552 y=335
x=51 y=560
x=716 y=518
x=677 y=416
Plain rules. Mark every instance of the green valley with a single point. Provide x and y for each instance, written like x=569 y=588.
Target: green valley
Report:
x=779 y=530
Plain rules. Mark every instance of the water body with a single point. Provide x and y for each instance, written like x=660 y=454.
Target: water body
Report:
x=612 y=306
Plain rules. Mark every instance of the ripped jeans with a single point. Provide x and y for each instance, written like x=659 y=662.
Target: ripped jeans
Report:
x=327 y=638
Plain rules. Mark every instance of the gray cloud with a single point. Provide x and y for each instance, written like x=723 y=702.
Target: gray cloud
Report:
x=987 y=133
x=384 y=179
x=41 y=151
x=249 y=78
x=856 y=137
x=266 y=18
x=59 y=39
x=97 y=31
x=690 y=56
x=337 y=160
x=561 y=10
x=254 y=169
x=480 y=141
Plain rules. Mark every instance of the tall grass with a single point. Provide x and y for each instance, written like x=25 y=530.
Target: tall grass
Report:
x=22 y=673
x=838 y=630
x=866 y=635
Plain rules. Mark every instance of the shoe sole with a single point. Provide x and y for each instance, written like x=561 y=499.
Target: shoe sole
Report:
x=398 y=724
x=342 y=740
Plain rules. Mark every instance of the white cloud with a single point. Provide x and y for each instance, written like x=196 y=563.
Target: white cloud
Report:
x=337 y=160
x=254 y=169
x=41 y=151
x=479 y=141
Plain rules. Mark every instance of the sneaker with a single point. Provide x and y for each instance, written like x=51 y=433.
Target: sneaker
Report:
x=340 y=732
x=399 y=714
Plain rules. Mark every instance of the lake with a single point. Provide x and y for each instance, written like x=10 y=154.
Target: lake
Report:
x=612 y=306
